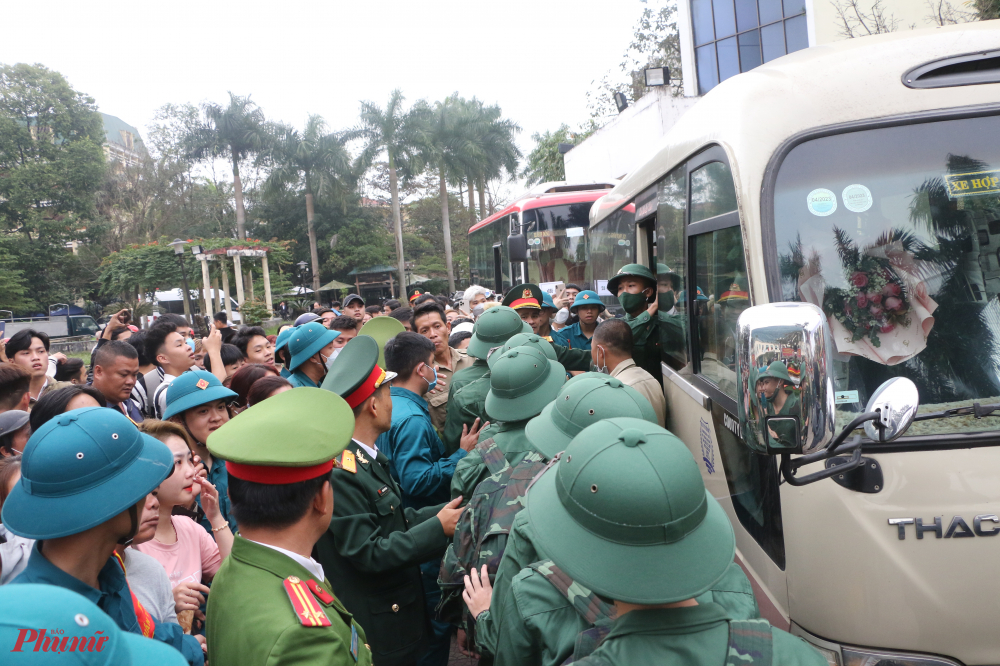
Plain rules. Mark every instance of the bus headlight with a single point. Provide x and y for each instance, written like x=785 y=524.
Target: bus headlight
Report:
x=860 y=657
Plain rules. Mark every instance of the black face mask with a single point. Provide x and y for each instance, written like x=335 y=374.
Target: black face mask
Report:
x=667 y=300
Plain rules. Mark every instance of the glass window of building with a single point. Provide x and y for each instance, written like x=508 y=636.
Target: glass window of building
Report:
x=733 y=36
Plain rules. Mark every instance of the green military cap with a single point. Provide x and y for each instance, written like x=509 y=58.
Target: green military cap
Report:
x=307 y=340
x=625 y=498
x=586 y=297
x=522 y=382
x=631 y=270
x=255 y=444
x=48 y=624
x=381 y=329
x=493 y=328
x=525 y=296
x=775 y=370
x=193 y=388
x=524 y=340
x=586 y=399
x=355 y=373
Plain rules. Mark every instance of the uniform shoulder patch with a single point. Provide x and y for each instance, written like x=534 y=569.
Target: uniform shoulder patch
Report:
x=307 y=609
x=348 y=462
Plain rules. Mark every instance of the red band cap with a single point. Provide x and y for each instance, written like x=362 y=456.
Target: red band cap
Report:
x=365 y=390
x=525 y=303
x=273 y=475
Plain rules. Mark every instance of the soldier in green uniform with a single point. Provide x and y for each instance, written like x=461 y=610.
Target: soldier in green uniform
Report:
x=493 y=328
x=374 y=546
x=781 y=399
x=523 y=380
x=635 y=285
x=631 y=467
x=271 y=602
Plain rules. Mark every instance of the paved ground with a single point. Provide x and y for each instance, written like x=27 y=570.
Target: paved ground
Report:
x=457 y=658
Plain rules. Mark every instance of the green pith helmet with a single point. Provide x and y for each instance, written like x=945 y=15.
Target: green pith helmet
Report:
x=352 y=374
x=586 y=297
x=381 y=329
x=193 y=388
x=493 y=328
x=307 y=340
x=625 y=513
x=584 y=400
x=525 y=295
x=776 y=370
x=522 y=382
x=524 y=340
x=631 y=270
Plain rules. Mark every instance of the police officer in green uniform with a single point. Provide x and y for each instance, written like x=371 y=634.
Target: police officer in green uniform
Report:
x=493 y=328
x=523 y=380
x=631 y=467
x=781 y=399
x=374 y=546
x=271 y=602
x=311 y=346
x=635 y=286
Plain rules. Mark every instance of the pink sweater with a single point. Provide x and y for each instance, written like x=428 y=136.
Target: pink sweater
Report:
x=193 y=557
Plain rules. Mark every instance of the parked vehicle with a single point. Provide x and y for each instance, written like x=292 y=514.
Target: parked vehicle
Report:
x=60 y=323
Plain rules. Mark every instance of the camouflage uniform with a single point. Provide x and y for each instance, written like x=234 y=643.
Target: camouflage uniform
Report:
x=472 y=469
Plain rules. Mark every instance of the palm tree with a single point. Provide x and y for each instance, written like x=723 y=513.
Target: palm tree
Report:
x=314 y=160
x=234 y=132
x=394 y=131
x=496 y=152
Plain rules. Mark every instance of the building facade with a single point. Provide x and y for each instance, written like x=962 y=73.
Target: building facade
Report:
x=122 y=142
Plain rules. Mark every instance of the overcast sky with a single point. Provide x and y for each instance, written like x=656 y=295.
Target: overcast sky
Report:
x=536 y=58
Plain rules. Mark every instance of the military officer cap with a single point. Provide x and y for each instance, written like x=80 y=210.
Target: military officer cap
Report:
x=319 y=424
x=586 y=297
x=307 y=340
x=522 y=382
x=626 y=497
x=493 y=328
x=75 y=631
x=524 y=340
x=80 y=469
x=193 y=388
x=355 y=374
x=631 y=270
x=381 y=329
x=586 y=399
x=525 y=296
x=776 y=370
x=415 y=294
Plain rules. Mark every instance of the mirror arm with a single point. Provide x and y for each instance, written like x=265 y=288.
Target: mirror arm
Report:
x=837 y=448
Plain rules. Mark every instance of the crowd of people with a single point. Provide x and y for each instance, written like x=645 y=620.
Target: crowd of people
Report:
x=368 y=484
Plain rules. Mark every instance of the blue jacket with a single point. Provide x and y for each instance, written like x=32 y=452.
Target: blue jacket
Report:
x=572 y=337
x=299 y=379
x=416 y=454
x=114 y=598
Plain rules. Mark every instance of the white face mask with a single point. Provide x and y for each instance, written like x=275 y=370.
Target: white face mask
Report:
x=602 y=367
x=333 y=356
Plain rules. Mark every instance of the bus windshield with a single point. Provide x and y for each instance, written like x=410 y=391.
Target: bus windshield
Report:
x=895 y=233
x=557 y=242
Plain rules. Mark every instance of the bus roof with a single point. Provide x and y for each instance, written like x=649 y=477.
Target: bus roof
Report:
x=751 y=115
x=528 y=201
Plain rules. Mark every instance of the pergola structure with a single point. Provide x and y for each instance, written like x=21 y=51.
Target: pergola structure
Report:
x=237 y=252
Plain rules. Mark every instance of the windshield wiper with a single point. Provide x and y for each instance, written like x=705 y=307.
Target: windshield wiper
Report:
x=976 y=410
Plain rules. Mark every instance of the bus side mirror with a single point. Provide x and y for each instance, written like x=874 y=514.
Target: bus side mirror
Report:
x=786 y=397
x=517 y=248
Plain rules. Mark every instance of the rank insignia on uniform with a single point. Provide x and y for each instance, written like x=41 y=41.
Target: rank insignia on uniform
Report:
x=323 y=595
x=361 y=457
x=348 y=462
x=307 y=609
x=526 y=293
x=383 y=490
x=202 y=384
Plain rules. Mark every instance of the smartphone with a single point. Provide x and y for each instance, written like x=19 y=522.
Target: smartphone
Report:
x=3 y=327
x=126 y=317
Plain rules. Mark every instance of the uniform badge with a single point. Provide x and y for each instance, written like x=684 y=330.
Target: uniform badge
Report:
x=202 y=384
x=361 y=457
x=323 y=595
x=383 y=490
x=526 y=293
x=347 y=462
x=307 y=609
x=354 y=642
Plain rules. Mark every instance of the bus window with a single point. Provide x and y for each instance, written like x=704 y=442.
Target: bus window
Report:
x=712 y=191
x=612 y=245
x=719 y=268
x=671 y=205
x=557 y=242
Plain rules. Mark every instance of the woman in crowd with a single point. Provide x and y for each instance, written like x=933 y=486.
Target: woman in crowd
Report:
x=14 y=550
x=244 y=378
x=71 y=370
x=189 y=555
x=198 y=402
x=62 y=400
x=267 y=387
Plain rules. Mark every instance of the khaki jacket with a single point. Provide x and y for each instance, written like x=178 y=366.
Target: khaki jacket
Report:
x=438 y=398
x=632 y=375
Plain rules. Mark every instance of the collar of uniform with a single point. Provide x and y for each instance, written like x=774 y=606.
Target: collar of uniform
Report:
x=304 y=379
x=373 y=452
x=400 y=392
x=622 y=367
x=687 y=620
x=270 y=559
x=480 y=362
x=309 y=564
x=507 y=426
x=40 y=570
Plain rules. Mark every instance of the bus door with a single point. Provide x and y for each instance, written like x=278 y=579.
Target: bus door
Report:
x=498 y=268
x=702 y=289
x=645 y=238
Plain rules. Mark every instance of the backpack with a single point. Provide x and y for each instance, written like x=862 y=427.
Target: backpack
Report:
x=484 y=527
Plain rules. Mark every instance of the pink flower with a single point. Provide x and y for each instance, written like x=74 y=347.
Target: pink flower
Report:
x=859 y=279
x=891 y=289
x=876 y=310
x=893 y=303
x=888 y=328
x=875 y=298
x=862 y=301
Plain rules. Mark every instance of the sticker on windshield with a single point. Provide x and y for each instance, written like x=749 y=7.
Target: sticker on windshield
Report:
x=821 y=202
x=857 y=198
x=973 y=184
x=846 y=397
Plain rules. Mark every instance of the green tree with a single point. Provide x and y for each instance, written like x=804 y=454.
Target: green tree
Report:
x=395 y=132
x=315 y=161
x=363 y=240
x=12 y=289
x=545 y=162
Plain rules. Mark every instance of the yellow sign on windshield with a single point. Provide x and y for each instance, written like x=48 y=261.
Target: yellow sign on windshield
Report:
x=972 y=184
